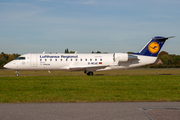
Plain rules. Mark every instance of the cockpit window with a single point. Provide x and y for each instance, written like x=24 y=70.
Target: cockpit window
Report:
x=20 y=58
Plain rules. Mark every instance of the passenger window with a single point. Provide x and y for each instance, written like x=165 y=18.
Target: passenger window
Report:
x=71 y=59
x=95 y=59
x=76 y=60
x=85 y=59
x=45 y=59
x=50 y=59
x=81 y=59
x=66 y=59
x=90 y=59
x=100 y=59
x=40 y=59
x=55 y=59
x=61 y=59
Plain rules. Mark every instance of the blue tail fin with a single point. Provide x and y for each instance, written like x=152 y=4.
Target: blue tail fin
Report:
x=153 y=47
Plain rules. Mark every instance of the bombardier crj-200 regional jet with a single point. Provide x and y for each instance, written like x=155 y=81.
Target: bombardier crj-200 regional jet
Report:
x=89 y=62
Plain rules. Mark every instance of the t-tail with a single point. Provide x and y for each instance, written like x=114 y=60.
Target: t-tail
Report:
x=153 y=47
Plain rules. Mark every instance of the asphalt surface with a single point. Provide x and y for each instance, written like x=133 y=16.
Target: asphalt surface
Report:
x=91 y=111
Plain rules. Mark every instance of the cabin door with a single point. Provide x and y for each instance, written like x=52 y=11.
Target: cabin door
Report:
x=33 y=58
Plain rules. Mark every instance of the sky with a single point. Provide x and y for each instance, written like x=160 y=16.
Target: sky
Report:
x=113 y=26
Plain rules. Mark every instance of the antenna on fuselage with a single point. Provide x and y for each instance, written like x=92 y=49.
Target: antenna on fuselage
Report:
x=44 y=52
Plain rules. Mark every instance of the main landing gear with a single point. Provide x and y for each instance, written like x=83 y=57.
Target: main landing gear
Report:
x=88 y=72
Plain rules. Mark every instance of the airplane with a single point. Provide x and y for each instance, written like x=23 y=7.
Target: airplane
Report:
x=89 y=62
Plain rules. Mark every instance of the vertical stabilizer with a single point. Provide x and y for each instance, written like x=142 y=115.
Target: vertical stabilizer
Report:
x=153 y=47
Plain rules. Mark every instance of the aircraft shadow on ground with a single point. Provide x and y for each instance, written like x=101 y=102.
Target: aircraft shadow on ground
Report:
x=99 y=75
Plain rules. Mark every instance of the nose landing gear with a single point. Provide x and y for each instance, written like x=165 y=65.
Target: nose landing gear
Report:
x=17 y=73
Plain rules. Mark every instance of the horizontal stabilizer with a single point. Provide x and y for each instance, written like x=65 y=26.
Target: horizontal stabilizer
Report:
x=163 y=39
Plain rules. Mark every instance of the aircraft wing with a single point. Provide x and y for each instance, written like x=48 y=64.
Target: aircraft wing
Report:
x=89 y=68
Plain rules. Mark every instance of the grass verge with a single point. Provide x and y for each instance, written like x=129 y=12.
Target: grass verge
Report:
x=35 y=89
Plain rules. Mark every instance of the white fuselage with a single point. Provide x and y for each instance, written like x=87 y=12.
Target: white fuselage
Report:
x=78 y=62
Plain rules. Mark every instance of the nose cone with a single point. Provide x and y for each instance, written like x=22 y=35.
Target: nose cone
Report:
x=8 y=66
x=5 y=66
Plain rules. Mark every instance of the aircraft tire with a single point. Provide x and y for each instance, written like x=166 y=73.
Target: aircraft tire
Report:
x=90 y=73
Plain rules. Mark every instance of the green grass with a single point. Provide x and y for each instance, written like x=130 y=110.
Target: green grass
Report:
x=100 y=88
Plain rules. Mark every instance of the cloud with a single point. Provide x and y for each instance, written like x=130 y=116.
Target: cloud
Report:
x=89 y=2
x=21 y=12
x=96 y=2
x=45 y=0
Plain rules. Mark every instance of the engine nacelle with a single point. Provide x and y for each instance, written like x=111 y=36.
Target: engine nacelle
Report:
x=120 y=57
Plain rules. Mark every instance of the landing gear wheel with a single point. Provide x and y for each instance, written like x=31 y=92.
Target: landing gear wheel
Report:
x=90 y=73
x=17 y=73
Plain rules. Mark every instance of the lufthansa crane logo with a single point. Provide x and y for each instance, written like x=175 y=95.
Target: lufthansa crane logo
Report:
x=153 y=47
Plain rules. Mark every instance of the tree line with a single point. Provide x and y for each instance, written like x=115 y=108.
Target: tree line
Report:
x=5 y=58
x=168 y=60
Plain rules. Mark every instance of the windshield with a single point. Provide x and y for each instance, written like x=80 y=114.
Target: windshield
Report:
x=20 y=58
